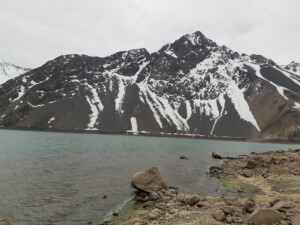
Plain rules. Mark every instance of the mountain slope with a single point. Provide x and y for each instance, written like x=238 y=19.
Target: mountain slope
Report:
x=191 y=86
x=9 y=71
x=293 y=67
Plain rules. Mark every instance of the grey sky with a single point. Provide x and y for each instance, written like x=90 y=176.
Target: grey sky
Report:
x=35 y=31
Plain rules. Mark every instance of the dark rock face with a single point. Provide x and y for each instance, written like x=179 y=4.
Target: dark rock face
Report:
x=191 y=86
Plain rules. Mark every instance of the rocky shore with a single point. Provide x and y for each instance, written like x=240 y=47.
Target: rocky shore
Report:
x=258 y=189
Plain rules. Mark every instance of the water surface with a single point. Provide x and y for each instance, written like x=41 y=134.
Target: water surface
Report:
x=60 y=178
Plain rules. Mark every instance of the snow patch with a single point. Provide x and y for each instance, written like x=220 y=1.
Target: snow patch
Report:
x=241 y=105
x=134 y=126
x=120 y=96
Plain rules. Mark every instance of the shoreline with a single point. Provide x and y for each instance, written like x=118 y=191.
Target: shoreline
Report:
x=257 y=189
x=161 y=135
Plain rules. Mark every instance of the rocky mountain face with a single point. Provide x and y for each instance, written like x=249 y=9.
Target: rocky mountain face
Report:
x=9 y=71
x=191 y=86
x=293 y=67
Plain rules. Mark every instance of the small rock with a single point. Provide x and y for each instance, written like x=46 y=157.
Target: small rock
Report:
x=183 y=157
x=247 y=173
x=171 y=192
x=275 y=200
x=267 y=159
x=154 y=196
x=217 y=155
x=265 y=216
x=174 y=211
x=160 y=194
x=296 y=172
x=251 y=164
x=154 y=214
x=219 y=215
x=250 y=206
x=202 y=204
x=229 y=219
x=149 y=204
x=229 y=210
x=193 y=200
x=231 y=201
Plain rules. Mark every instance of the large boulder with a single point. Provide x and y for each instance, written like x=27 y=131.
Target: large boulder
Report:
x=148 y=181
x=265 y=216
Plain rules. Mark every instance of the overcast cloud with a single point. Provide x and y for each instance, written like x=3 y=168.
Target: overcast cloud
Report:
x=35 y=31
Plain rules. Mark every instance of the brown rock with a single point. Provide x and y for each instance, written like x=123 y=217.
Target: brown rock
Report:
x=268 y=159
x=149 y=204
x=296 y=220
x=231 y=201
x=203 y=204
x=275 y=200
x=247 y=173
x=250 y=206
x=229 y=210
x=250 y=164
x=154 y=214
x=193 y=200
x=219 y=215
x=229 y=219
x=148 y=180
x=265 y=216
x=283 y=206
x=217 y=155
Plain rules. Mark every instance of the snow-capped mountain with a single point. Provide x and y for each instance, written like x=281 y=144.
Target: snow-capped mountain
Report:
x=293 y=67
x=190 y=86
x=9 y=71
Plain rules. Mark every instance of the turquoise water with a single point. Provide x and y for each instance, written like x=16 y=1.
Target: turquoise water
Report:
x=60 y=178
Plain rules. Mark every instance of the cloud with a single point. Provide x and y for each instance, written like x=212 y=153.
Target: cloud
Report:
x=34 y=31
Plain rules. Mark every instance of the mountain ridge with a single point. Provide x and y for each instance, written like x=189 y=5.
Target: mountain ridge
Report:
x=190 y=86
x=9 y=71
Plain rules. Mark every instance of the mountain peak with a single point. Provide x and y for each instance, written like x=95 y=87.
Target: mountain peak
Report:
x=293 y=67
x=9 y=71
x=196 y=38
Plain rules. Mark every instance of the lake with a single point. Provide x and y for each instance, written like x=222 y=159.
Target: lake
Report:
x=60 y=178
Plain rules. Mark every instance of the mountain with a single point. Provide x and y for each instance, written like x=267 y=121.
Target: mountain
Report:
x=190 y=86
x=293 y=67
x=9 y=71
